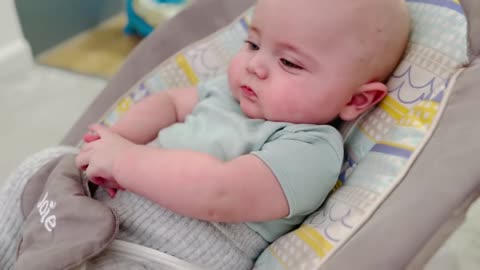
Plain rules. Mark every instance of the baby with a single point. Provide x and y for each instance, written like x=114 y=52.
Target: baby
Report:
x=238 y=161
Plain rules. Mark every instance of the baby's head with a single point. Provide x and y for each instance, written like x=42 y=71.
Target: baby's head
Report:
x=311 y=61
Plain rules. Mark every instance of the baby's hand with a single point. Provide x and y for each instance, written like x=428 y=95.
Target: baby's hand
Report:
x=110 y=187
x=87 y=138
x=90 y=137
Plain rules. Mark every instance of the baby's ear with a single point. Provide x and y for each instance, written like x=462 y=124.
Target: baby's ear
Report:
x=363 y=99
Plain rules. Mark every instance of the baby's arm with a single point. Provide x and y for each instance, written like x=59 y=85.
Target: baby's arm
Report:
x=142 y=122
x=200 y=186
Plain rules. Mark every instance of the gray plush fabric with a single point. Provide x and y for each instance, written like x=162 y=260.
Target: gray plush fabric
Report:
x=66 y=226
x=461 y=250
x=452 y=225
x=472 y=10
x=196 y=22
x=10 y=201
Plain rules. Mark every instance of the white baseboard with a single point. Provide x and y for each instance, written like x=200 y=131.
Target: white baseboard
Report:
x=15 y=57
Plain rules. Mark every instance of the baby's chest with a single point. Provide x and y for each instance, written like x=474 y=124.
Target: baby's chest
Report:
x=222 y=136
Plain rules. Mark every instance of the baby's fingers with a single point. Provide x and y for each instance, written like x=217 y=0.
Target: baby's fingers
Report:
x=99 y=181
x=90 y=137
x=112 y=184
x=82 y=160
x=111 y=192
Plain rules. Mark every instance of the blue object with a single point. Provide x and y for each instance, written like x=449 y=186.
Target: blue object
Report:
x=136 y=25
x=170 y=1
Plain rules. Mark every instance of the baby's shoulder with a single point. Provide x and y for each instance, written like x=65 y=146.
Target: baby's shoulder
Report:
x=310 y=133
x=314 y=136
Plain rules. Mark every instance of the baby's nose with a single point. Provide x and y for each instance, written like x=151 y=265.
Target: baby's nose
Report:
x=257 y=67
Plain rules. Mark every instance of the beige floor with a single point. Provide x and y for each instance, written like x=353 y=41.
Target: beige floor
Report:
x=99 y=51
x=37 y=108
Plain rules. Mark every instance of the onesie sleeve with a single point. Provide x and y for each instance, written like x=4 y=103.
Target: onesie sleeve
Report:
x=306 y=161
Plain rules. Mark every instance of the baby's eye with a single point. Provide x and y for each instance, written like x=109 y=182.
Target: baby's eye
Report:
x=252 y=46
x=290 y=64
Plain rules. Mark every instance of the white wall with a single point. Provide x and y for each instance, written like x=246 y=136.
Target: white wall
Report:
x=15 y=52
x=9 y=24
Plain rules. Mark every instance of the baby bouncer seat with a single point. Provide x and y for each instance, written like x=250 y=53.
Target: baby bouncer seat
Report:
x=409 y=175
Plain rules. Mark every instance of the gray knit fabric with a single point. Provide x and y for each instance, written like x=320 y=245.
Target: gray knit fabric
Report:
x=10 y=194
x=112 y=262
x=212 y=245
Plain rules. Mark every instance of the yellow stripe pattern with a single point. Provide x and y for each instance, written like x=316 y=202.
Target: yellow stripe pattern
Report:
x=124 y=105
x=394 y=108
x=337 y=186
x=182 y=62
x=421 y=116
x=314 y=239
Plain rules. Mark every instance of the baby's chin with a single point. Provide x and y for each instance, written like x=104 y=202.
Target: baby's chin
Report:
x=251 y=114
x=251 y=111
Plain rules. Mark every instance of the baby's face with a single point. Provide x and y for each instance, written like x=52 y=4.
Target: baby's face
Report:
x=295 y=65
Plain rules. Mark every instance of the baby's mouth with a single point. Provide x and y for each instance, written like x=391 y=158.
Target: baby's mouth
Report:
x=247 y=91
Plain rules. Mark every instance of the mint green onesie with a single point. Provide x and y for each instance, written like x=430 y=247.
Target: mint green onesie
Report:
x=306 y=159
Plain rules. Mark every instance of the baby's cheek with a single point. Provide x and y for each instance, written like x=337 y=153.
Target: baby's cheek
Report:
x=293 y=108
x=233 y=73
x=234 y=70
x=278 y=107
